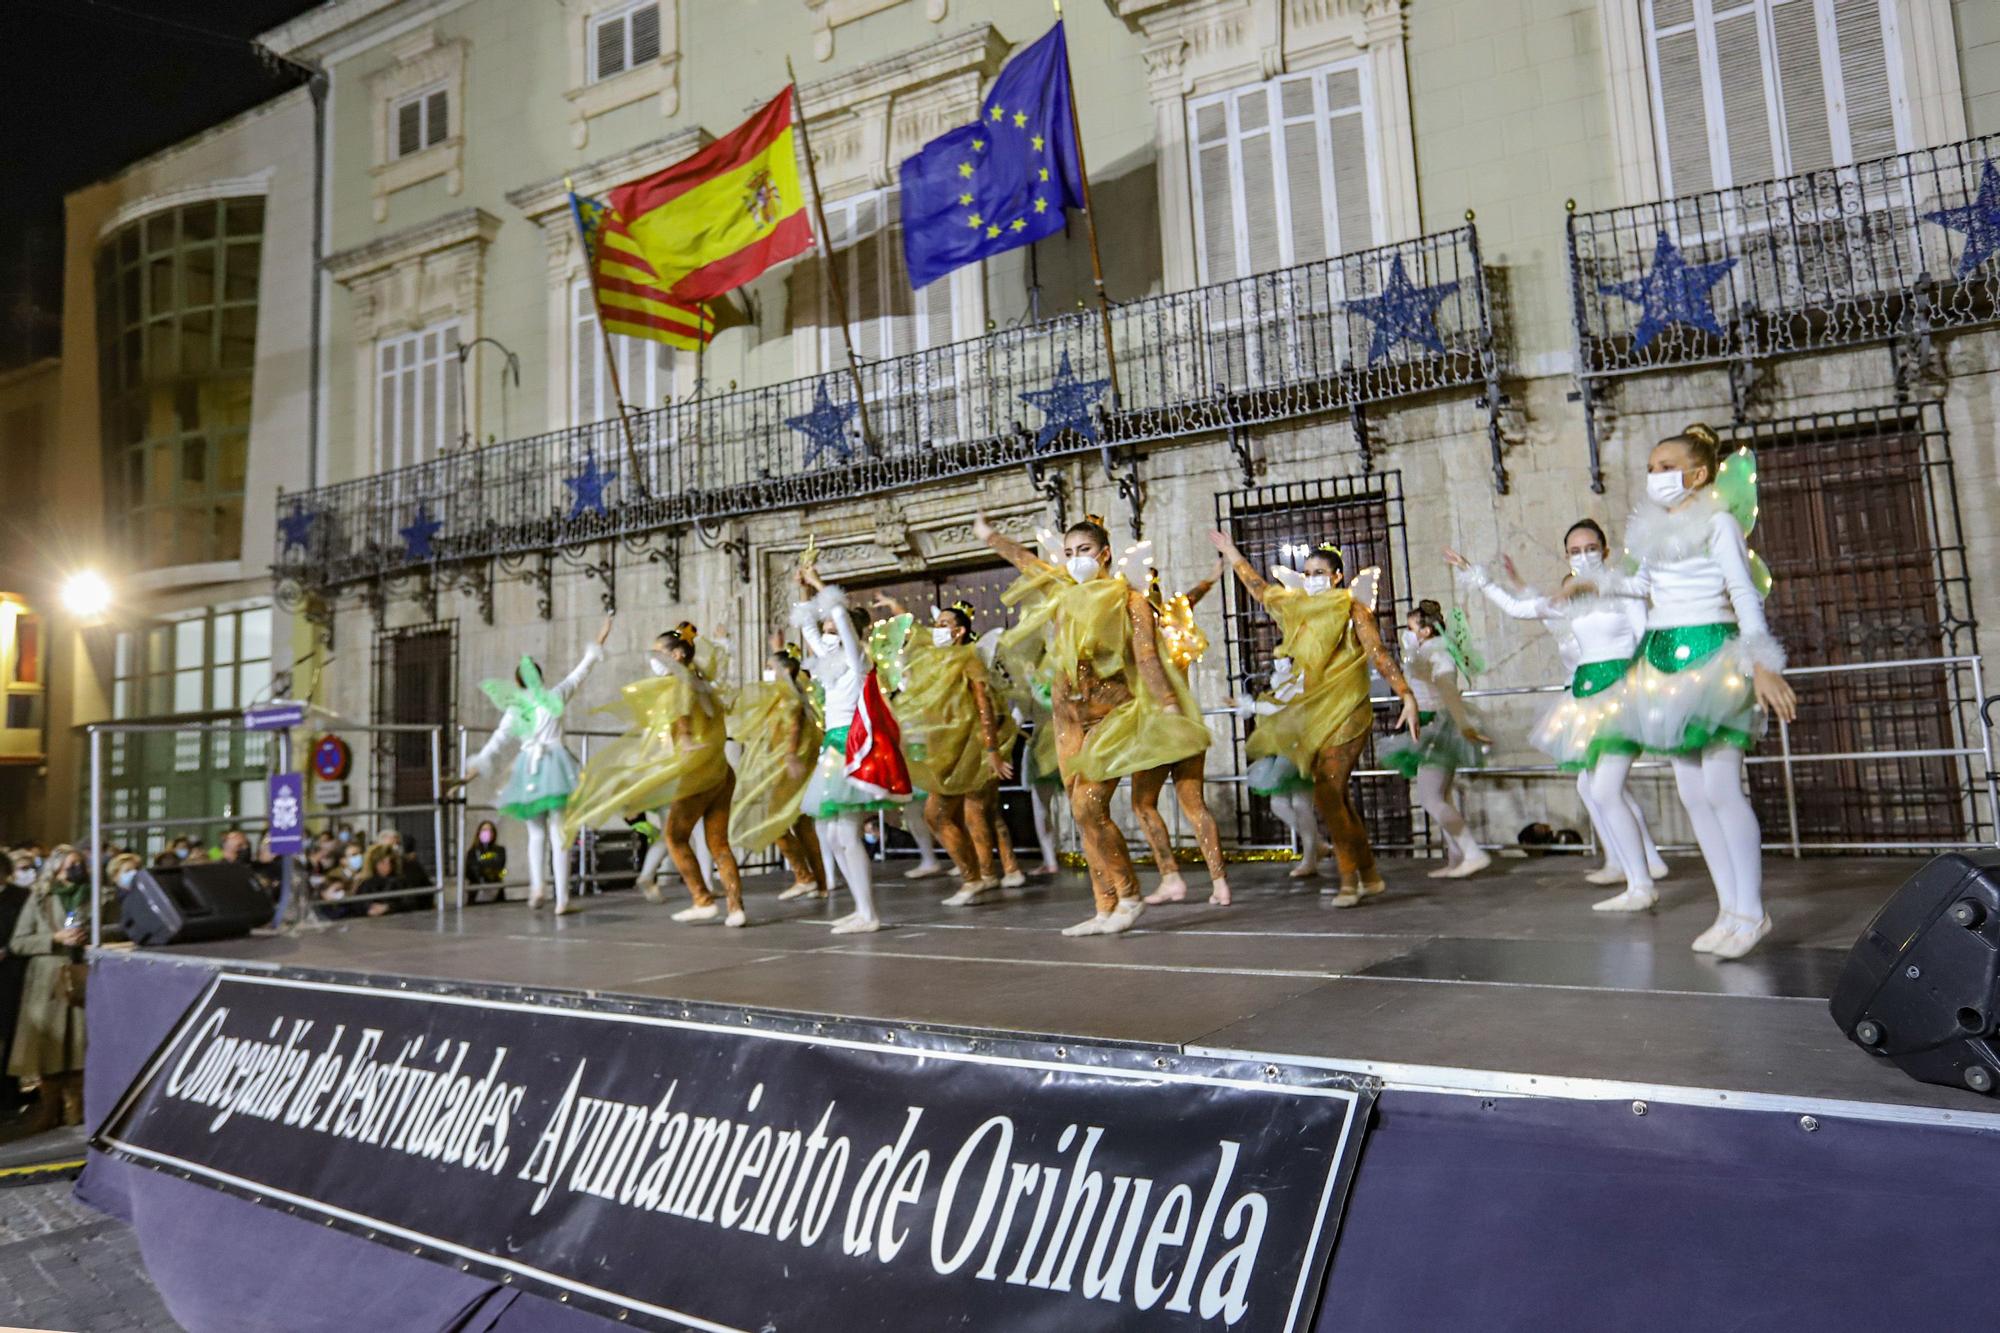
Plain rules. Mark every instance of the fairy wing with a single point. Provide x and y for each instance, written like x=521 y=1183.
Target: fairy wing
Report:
x=1736 y=487
x=1136 y=564
x=886 y=640
x=1458 y=638
x=1364 y=586
x=1286 y=577
x=989 y=649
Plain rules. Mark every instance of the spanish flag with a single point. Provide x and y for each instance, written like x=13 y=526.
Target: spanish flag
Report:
x=631 y=297
x=713 y=222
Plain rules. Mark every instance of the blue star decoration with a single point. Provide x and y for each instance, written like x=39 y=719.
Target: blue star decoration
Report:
x=1672 y=292
x=418 y=536
x=586 y=488
x=1065 y=405
x=297 y=526
x=1403 y=312
x=1979 y=220
x=825 y=426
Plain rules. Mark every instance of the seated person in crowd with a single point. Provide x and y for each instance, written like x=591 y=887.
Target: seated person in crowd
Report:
x=486 y=864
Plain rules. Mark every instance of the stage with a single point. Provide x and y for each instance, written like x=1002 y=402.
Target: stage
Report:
x=1575 y=1119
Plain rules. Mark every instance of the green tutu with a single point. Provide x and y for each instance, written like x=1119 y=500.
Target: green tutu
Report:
x=1439 y=744
x=539 y=783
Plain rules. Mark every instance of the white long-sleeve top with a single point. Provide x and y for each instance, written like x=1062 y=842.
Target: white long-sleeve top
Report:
x=1433 y=675
x=1587 y=629
x=839 y=663
x=547 y=734
x=1694 y=569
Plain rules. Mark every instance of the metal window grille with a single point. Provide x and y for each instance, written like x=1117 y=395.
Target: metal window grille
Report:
x=1859 y=519
x=1364 y=516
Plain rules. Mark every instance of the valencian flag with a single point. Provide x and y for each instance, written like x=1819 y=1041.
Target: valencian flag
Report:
x=714 y=221
x=631 y=298
x=1001 y=182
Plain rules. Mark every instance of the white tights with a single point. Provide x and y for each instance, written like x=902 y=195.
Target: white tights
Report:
x=840 y=838
x=1725 y=827
x=1434 y=794
x=1043 y=799
x=1628 y=844
x=913 y=820
x=1302 y=818
x=545 y=834
x=656 y=852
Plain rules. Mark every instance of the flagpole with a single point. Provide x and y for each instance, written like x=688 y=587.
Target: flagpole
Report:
x=610 y=357
x=1089 y=218
x=826 y=254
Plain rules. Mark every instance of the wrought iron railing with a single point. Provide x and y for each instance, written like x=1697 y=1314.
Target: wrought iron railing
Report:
x=1336 y=334
x=1876 y=252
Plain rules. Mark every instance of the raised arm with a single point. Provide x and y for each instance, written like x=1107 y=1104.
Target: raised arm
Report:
x=592 y=655
x=1378 y=652
x=1253 y=583
x=483 y=761
x=832 y=603
x=1015 y=554
x=1206 y=586
x=1532 y=606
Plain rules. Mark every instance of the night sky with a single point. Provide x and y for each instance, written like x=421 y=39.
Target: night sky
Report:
x=89 y=86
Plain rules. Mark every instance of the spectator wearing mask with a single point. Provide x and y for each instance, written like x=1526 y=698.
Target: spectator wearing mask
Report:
x=486 y=864
x=50 y=933
x=235 y=846
x=14 y=894
x=414 y=873
x=331 y=898
x=384 y=865
x=120 y=871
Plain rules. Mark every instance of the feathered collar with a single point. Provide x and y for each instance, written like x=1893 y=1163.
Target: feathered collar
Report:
x=1655 y=535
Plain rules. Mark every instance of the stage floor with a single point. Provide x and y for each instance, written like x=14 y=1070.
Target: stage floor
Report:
x=1507 y=982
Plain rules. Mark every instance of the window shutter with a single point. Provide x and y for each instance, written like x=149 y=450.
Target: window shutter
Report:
x=446 y=386
x=1685 y=113
x=409 y=128
x=864 y=296
x=1261 y=207
x=584 y=354
x=1212 y=189
x=905 y=333
x=430 y=410
x=1746 y=116
x=1864 y=70
x=1304 y=191
x=610 y=47
x=839 y=228
x=645 y=35
x=1347 y=132
x=1802 y=87
x=437 y=118
x=939 y=312
x=406 y=405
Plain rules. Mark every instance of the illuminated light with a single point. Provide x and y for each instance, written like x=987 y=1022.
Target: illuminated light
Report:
x=86 y=594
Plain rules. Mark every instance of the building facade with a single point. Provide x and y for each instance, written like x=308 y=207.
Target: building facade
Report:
x=1396 y=274
x=181 y=409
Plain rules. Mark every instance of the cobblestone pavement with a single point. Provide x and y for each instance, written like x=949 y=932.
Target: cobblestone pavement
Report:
x=65 y=1266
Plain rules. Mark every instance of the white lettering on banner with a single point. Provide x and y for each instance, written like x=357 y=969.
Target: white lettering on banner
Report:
x=1052 y=1221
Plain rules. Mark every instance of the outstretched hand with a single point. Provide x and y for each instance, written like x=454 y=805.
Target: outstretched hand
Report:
x=1223 y=543
x=998 y=763
x=982 y=527
x=1455 y=560
x=1407 y=719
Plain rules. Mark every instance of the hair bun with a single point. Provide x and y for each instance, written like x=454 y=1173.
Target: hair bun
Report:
x=1430 y=607
x=1702 y=431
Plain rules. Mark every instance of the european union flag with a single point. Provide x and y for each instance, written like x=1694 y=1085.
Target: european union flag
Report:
x=1002 y=182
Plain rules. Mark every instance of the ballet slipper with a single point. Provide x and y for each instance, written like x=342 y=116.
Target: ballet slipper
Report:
x=535 y=902
x=973 y=891
x=1048 y=868
x=736 y=918
x=1349 y=896
x=1706 y=941
x=1013 y=879
x=1303 y=870
x=1656 y=868
x=1474 y=862
x=1094 y=926
x=569 y=909
x=926 y=870
x=649 y=889
x=803 y=889
x=1218 y=893
x=708 y=913
x=1173 y=889
x=1123 y=916
x=1605 y=875
x=1744 y=937
x=1371 y=887
x=1632 y=900
x=858 y=925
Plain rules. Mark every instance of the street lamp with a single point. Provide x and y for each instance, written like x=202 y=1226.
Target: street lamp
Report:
x=86 y=595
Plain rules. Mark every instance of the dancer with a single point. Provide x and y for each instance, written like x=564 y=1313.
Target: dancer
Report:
x=1329 y=638
x=860 y=766
x=711 y=661
x=1183 y=644
x=1119 y=708
x=776 y=724
x=957 y=742
x=1708 y=673
x=671 y=758
x=1598 y=637
x=545 y=772
x=1434 y=660
x=1024 y=674
x=1276 y=778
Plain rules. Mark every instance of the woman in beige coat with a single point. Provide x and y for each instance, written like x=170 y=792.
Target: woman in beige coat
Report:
x=48 y=1038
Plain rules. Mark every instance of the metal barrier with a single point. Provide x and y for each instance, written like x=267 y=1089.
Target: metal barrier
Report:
x=281 y=763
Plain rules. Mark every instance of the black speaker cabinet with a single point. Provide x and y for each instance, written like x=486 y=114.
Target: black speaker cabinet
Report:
x=1922 y=984
x=211 y=900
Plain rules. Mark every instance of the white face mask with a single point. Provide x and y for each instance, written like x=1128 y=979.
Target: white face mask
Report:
x=1082 y=568
x=1318 y=583
x=1408 y=638
x=1586 y=562
x=125 y=878
x=1666 y=488
x=656 y=663
x=770 y=673
x=25 y=876
x=940 y=636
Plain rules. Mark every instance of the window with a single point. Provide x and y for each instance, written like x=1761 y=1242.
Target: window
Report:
x=645 y=367
x=217 y=662
x=624 y=39
x=416 y=395
x=886 y=318
x=1284 y=172
x=421 y=120
x=1746 y=90
x=177 y=337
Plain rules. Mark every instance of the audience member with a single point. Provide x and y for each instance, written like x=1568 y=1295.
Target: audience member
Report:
x=49 y=1035
x=486 y=864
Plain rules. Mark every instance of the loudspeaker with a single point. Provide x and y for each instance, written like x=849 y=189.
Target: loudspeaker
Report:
x=211 y=900
x=1922 y=984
